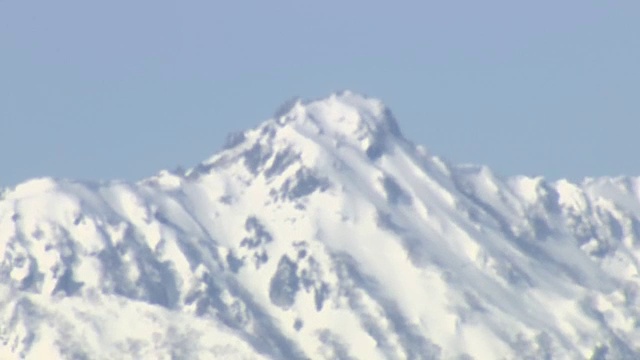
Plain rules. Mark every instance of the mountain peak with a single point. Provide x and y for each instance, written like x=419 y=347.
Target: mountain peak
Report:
x=322 y=233
x=341 y=120
x=343 y=113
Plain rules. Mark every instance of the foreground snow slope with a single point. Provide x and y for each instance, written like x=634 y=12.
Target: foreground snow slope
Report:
x=322 y=233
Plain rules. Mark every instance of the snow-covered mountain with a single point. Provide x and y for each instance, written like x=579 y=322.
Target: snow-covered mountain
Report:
x=322 y=233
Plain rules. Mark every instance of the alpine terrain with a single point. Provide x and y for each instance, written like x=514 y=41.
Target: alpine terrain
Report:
x=321 y=234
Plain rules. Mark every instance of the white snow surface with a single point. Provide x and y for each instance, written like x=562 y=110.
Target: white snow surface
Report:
x=321 y=234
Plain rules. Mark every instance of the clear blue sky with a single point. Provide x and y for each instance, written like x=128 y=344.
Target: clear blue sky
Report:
x=122 y=89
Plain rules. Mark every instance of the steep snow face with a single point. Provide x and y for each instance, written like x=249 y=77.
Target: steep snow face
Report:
x=322 y=233
x=109 y=327
x=346 y=118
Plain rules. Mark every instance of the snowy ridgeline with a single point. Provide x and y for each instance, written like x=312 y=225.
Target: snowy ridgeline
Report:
x=322 y=233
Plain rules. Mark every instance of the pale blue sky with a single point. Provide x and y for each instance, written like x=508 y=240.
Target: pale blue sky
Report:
x=122 y=89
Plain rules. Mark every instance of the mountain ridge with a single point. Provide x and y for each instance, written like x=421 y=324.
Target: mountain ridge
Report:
x=324 y=233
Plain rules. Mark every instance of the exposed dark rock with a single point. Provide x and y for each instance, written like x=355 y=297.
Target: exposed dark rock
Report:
x=284 y=284
x=320 y=295
x=394 y=192
x=285 y=107
x=67 y=284
x=234 y=263
x=302 y=184
x=281 y=162
x=375 y=150
x=255 y=157
x=258 y=235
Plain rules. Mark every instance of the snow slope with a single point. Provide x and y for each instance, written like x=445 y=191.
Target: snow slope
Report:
x=322 y=233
